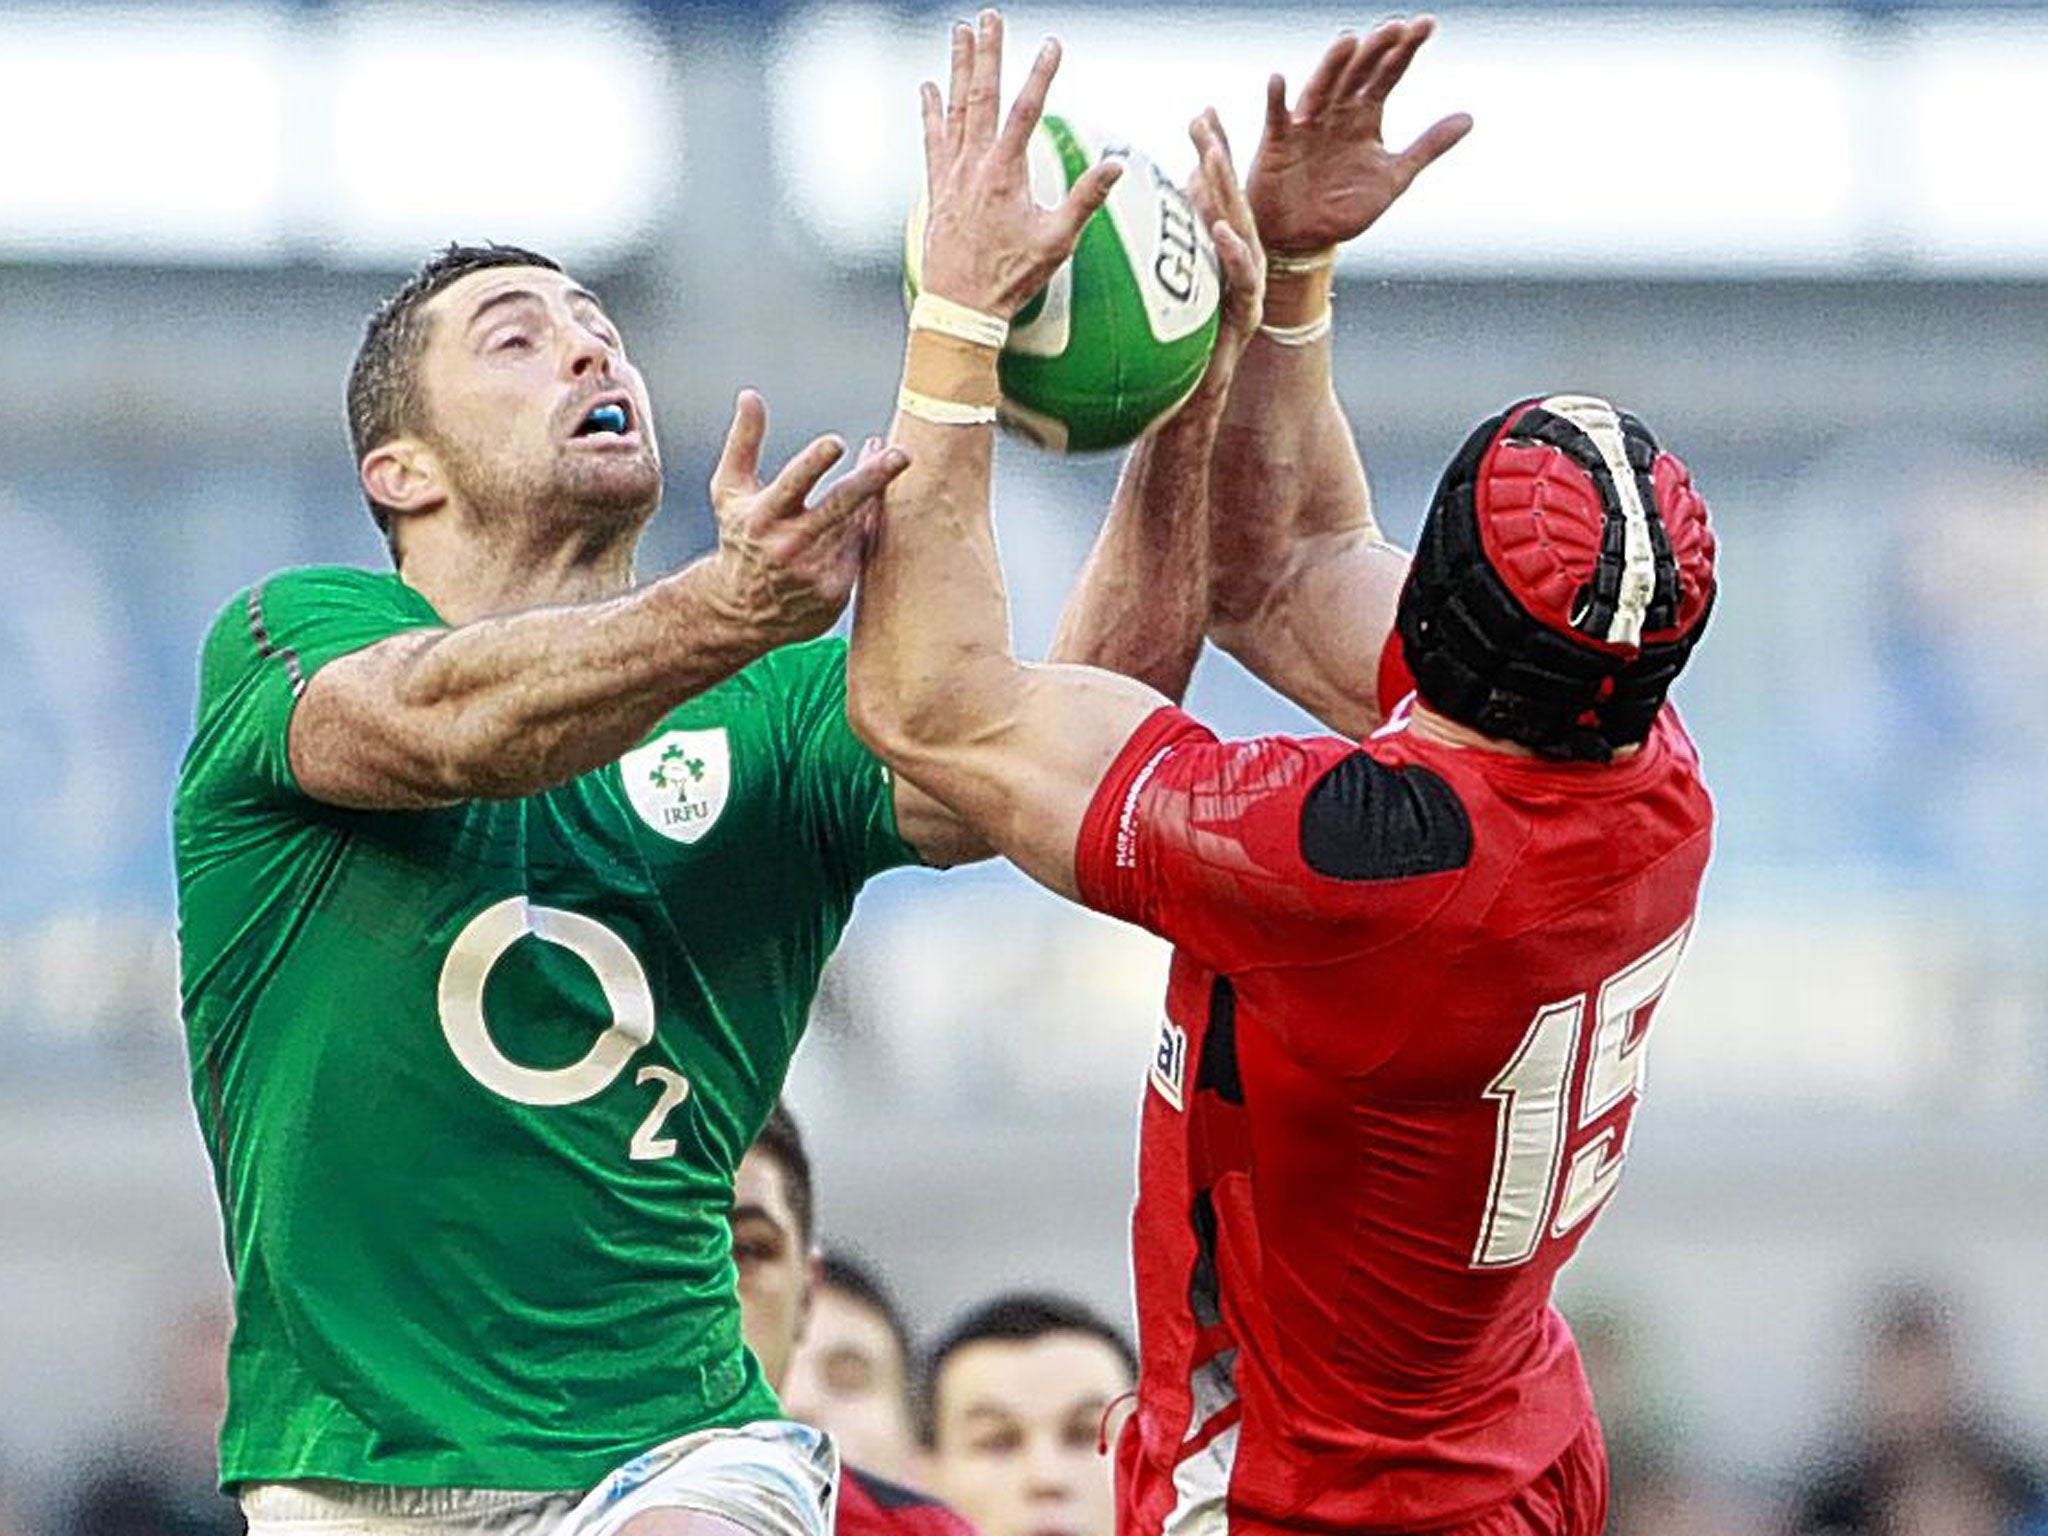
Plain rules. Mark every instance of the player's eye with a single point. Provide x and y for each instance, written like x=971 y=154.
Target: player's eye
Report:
x=510 y=341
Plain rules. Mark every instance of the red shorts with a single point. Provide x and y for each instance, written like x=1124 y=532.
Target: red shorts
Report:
x=1569 y=1498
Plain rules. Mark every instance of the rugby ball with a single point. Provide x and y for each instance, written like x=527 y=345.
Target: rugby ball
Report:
x=1123 y=332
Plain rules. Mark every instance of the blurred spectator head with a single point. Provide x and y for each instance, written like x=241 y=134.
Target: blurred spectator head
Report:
x=1919 y=1455
x=852 y=1372
x=829 y=1338
x=162 y=1478
x=771 y=1243
x=1017 y=1401
x=1912 y=1387
x=1946 y=1489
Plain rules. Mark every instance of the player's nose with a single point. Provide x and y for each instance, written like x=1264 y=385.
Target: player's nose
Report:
x=585 y=355
x=1049 y=1473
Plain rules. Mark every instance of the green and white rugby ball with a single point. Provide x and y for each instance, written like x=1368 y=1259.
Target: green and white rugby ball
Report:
x=1123 y=332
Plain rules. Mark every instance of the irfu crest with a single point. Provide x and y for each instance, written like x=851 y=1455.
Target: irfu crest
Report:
x=678 y=782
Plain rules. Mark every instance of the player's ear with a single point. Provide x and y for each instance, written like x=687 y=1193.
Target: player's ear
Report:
x=404 y=475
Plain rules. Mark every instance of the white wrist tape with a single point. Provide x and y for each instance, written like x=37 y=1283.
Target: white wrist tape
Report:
x=1291 y=266
x=1307 y=334
x=943 y=413
x=929 y=312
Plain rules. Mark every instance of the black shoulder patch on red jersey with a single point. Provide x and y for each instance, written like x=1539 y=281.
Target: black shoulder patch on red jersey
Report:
x=888 y=1495
x=1366 y=821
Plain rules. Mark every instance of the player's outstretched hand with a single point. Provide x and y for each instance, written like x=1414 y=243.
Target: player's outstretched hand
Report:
x=1323 y=172
x=789 y=561
x=1219 y=199
x=988 y=245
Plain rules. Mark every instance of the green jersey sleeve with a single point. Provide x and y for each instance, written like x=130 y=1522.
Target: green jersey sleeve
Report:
x=844 y=793
x=263 y=649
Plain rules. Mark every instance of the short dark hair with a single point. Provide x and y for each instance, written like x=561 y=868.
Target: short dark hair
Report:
x=1016 y=1317
x=842 y=1271
x=383 y=381
x=1910 y=1314
x=782 y=1143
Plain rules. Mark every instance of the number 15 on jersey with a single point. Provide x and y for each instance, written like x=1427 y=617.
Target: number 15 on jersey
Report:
x=1536 y=1128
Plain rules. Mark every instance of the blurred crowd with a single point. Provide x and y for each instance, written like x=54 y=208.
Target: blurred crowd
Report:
x=1001 y=1421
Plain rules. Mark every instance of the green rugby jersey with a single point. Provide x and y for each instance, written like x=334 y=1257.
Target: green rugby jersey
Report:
x=475 y=1080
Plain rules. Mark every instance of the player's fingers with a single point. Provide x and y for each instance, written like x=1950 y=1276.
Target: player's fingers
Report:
x=1370 y=58
x=1215 y=146
x=1277 y=121
x=1388 y=72
x=934 y=113
x=1206 y=188
x=1324 y=80
x=1235 y=205
x=838 y=508
x=1086 y=195
x=1202 y=190
x=800 y=476
x=1234 y=254
x=985 y=88
x=739 y=464
x=957 y=86
x=1219 y=170
x=1030 y=103
x=1222 y=134
x=1436 y=140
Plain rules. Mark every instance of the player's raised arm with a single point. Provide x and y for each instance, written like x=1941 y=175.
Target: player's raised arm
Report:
x=1305 y=585
x=507 y=706
x=932 y=682
x=1141 y=606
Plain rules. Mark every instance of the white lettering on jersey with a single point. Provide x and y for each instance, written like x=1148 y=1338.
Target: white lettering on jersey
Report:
x=1127 y=821
x=1169 y=1063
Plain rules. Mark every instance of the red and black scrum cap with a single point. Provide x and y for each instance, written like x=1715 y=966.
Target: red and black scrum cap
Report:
x=1561 y=579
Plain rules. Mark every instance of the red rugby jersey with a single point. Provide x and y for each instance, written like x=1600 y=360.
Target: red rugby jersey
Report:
x=1401 y=1052
x=874 y=1506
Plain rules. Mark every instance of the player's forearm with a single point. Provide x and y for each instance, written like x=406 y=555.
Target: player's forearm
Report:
x=1014 y=751
x=1286 y=465
x=1142 y=604
x=510 y=706
x=1305 y=585
x=931 y=662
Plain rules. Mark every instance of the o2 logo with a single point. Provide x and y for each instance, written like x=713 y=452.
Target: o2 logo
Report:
x=623 y=980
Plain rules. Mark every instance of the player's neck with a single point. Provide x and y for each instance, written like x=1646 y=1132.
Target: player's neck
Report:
x=472 y=579
x=1431 y=726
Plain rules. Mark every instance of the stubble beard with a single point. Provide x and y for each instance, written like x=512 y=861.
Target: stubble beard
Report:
x=591 y=500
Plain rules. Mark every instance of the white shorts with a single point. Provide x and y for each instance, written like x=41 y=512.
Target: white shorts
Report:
x=774 y=1478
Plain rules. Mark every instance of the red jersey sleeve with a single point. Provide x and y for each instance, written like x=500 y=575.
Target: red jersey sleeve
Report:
x=1201 y=841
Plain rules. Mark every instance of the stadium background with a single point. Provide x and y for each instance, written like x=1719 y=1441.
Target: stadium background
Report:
x=1809 y=245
